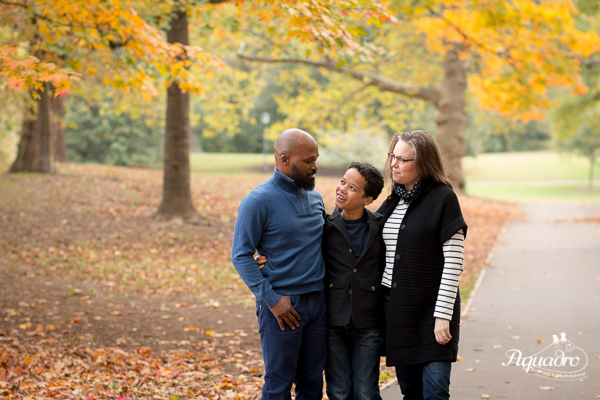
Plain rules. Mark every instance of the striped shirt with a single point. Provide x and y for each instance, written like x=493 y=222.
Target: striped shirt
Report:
x=453 y=262
x=390 y=238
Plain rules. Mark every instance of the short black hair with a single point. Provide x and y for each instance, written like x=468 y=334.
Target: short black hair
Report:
x=373 y=177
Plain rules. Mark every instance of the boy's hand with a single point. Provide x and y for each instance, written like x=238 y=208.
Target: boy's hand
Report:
x=261 y=261
x=283 y=311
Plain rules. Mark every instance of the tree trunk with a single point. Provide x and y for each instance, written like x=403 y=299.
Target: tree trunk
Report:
x=46 y=160
x=177 y=197
x=29 y=145
x=58 y=130
x=451 y=119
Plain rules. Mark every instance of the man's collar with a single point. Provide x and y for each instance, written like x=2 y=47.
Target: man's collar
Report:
x=284 y=181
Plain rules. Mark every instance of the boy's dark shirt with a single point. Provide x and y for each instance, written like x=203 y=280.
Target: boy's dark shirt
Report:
x=353 y=286
x=358 y=230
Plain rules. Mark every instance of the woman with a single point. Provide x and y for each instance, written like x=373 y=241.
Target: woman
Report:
x=423 y=234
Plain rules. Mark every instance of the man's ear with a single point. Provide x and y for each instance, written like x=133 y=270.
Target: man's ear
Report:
x=284 y=159
x=368 y=200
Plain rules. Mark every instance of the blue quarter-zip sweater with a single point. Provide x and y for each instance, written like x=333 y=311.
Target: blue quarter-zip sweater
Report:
x=286 y=224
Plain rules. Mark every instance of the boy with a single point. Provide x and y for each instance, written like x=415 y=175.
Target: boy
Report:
x=351 y=247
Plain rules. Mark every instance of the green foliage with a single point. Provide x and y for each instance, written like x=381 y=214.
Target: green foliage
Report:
x=584 y=139
x=487 y=132
x=575 y=123
x=10 y=125
x=576 y=127
x=96 y=135
x=321 y=101
x=339 y=149
x=8 y=141
x=233 y=124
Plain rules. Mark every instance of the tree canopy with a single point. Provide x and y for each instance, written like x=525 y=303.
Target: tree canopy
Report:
x=52 y=41
x=507 y=55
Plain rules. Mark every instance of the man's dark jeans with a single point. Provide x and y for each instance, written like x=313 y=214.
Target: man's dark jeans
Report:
x=294 y=356
x=353 y=355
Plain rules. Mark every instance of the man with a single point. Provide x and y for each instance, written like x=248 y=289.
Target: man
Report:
x=282 y=218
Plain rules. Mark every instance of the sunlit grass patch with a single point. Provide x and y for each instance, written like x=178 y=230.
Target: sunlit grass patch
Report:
x=227 y=162
x=525 y=166
x=577 y=191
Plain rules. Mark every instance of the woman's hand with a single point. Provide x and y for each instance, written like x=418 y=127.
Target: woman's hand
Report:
x=261 y=261
x=442 y=331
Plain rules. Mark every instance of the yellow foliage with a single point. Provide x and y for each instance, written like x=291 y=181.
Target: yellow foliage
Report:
x=79 y=26
x=521 y=48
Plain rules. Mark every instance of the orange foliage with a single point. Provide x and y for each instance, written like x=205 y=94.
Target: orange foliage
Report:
x=74 y=29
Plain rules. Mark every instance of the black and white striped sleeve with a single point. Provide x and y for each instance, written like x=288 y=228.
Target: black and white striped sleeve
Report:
x=390 y=238
x=453 y=267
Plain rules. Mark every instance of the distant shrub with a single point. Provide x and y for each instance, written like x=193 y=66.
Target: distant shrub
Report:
x=115 y=139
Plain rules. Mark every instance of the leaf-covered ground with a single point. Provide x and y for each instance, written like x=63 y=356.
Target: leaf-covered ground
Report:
x=100 y=301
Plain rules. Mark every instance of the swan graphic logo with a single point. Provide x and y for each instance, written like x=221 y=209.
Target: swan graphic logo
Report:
x=559 y=360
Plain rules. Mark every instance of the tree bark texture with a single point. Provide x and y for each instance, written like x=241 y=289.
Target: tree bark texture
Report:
x=58 y=130
x=29 y=145
x=46 y=161
x=29 y=150
x=177 y=197
x=451 y=119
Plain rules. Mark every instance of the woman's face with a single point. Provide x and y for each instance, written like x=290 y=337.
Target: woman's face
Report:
x=405 y=174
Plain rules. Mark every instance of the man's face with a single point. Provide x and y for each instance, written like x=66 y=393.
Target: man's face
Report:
x=303 y=164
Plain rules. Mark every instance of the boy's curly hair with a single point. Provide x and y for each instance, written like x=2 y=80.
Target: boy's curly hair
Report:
x=374 y=179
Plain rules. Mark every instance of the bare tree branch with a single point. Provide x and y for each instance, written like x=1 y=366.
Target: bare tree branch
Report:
x=431 y=94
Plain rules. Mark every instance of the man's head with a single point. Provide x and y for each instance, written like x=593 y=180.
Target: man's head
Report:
x=361 y=185
x=296 y=153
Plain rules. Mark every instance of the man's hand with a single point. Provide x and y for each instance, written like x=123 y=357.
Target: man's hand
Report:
x=283 y=311
x=442 y=331
x=261 y=261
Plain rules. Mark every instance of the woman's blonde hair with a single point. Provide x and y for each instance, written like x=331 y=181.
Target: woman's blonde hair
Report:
x=427 y=155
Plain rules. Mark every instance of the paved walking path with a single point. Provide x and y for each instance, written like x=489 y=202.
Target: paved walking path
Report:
x=544 y=279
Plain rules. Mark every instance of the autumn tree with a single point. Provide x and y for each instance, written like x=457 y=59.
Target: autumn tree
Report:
x=576 y=119
x=583 y=136
x=505 y=54
x=56 y=42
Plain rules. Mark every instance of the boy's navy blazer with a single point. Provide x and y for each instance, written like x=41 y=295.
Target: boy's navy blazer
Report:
x=353 y=288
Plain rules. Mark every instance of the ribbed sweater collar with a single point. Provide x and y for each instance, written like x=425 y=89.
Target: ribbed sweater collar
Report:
x=284 y=182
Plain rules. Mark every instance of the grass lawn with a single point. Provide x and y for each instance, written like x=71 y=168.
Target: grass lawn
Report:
x=531 y=177
x=227 y=163
x=543 y=165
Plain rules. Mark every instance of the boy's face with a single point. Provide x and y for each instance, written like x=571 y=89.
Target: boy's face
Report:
x=350 y=192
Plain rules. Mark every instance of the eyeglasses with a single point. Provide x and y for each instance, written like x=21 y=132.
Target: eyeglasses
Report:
x=399 y=159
